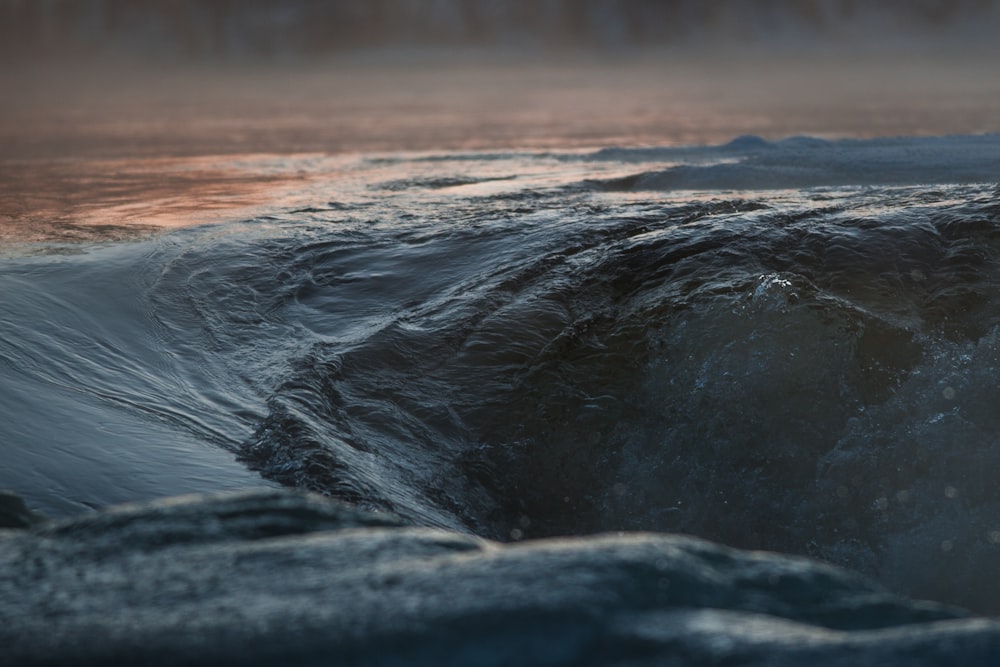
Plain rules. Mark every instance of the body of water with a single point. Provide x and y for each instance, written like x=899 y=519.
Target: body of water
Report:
x=787 y=345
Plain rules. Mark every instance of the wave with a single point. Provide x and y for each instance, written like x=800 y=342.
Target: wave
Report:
x=811 y=379
x=810 y=370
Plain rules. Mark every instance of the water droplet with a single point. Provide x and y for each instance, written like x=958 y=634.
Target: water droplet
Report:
x=948 y=393
x=516 y=534
x=947 y=545
x=950 y=492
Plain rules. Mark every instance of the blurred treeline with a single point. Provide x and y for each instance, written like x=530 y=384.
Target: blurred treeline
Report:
x=197 y=30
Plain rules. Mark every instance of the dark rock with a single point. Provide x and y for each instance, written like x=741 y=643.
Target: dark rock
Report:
x=287 y=578
x=14 y=513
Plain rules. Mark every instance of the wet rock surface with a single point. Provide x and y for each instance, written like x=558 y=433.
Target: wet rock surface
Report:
x=14 y=513
x=280 y=577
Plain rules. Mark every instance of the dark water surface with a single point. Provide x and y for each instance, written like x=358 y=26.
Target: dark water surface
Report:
x=789 y=346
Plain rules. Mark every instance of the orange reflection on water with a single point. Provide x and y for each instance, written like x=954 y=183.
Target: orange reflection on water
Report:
x=93 y=199
x=111 y=152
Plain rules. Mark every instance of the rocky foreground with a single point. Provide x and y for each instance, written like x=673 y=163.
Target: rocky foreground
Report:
x=285 y=578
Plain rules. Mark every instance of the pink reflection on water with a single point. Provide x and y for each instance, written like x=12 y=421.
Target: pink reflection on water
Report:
x=114 y=153
x=92 y=200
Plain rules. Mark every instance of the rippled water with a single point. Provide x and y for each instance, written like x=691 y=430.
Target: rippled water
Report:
x=789 y=346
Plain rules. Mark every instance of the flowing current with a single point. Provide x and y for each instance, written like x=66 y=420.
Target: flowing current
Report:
x=783 y=345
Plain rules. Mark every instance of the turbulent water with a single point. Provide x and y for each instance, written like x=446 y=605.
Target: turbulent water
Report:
x=791 y=346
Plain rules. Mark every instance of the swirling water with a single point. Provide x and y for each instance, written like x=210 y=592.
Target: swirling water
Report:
x=790 y=346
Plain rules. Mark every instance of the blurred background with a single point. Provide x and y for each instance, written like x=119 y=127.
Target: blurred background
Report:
x=106 y=78
x=300 y=30
x=92 y=90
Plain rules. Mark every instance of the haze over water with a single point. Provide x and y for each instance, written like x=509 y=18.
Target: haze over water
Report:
x=119 y=83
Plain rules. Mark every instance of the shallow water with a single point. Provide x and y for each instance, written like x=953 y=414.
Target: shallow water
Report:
x=782 y=345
